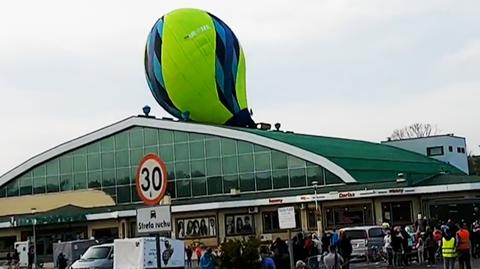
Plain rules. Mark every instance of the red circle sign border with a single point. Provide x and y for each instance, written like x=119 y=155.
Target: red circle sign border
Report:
x=163 y=168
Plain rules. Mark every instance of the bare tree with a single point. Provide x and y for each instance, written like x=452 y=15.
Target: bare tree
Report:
x=414 y=130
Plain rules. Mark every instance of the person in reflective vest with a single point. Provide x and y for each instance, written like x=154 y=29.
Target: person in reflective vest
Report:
x=449 y=251
x=463 y=247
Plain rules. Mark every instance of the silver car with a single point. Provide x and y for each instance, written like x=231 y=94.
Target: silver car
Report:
x=98 y=257
x=364 y=238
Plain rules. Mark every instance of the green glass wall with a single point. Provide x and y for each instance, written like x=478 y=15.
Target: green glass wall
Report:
x=197 y=164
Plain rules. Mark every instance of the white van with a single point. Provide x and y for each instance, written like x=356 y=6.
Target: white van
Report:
x=363 y=238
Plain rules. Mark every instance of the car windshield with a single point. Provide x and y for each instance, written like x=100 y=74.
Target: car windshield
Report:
x=376 y=232
x=96 y=253
x=356 y=234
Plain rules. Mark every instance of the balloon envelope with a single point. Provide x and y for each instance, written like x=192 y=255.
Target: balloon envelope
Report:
x=195 y=68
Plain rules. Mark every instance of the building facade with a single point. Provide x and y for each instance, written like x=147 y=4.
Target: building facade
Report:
x=222 y=183
x=446 y=148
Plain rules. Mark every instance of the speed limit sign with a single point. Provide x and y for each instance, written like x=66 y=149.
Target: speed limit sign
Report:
x=151 y=179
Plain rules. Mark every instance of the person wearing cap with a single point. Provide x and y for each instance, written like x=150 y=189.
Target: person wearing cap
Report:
x=463 y=247
x=300 y=265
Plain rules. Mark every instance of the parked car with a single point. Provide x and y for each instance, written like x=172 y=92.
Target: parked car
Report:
x=364 y=238
x=99 y=256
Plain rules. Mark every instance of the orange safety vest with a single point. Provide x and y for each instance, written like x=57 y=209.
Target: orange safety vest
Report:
x=463 y=236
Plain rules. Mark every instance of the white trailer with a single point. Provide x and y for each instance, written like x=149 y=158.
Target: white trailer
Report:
x=140 y=253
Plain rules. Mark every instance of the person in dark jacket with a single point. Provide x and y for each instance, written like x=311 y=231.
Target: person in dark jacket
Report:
x=344 y=246
x=280 y=252
x=62 y=261
x=406 y=248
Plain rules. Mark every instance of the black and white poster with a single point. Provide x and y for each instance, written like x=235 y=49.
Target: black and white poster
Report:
x=239 y=224
x=196 y=227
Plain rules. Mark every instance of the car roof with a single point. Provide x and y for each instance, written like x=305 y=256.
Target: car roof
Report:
x=104 y=245
x=365 y=228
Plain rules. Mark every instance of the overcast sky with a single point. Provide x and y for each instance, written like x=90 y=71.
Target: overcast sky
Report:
x=355 y=69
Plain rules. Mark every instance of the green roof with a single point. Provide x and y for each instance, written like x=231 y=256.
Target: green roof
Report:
x=367 y=162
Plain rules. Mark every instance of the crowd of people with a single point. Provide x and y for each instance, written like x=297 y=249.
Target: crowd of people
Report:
x=429 y=242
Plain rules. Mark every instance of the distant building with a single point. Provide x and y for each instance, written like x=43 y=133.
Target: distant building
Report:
x=447 y=148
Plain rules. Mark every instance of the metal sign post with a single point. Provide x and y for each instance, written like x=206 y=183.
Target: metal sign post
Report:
x=286 y=219
x=151 y=184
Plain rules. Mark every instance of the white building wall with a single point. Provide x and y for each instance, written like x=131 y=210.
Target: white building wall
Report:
x=448 y=142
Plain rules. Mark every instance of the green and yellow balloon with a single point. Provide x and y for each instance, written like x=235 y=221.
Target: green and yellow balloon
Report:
x=195 y=69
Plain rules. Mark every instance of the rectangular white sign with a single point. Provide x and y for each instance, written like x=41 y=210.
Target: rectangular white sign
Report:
x=154 y=219
x=286 y=217
x=172 y=251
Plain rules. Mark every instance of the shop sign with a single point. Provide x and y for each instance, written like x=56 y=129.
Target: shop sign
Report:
x=395 y=190
x=286 y=217
x=275 y=201
x=344 y=195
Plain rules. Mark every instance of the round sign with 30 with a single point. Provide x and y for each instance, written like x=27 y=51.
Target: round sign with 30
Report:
x=151 y=179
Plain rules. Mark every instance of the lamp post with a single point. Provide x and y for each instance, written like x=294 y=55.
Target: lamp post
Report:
x=315 y=186
x=34 y=210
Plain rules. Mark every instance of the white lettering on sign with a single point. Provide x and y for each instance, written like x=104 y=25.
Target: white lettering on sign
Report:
x=154 y=219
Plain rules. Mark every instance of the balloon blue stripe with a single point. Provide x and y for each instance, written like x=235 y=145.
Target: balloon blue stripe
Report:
x=157 y=69
x=219 y=75
x=159 y=27
x=220 y=30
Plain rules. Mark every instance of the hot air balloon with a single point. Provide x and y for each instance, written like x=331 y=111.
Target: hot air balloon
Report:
x=195 y=68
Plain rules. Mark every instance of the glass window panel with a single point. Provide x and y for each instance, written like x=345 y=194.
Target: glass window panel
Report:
x=294 y=162
x=331 y=178
x=181 y=152
x=39 y=171
x=122 y=177
x=166 y=153
x=121 y=158
x=3 y=192
x=93 y=162
x=229 y=165
x=133 y=191
x=297 y=177
x=262 y=161
x=244 y=147
x=26 y=185
x=93 y=148
x=79 y=163
x=315 y=174
x=151 y=149
x=107 y=144
x=280 y=179
x=199 y=186
x=66 y=164
x=121 y=141
x=310 y=164
x=165 y=137
x=123 y=194
x=264 y=181
x=136 y=155
x=196 y=137
x=80 y=181
x=53 y=184
x=39 y=185
x=197 y=150
x=214 y=185
x=171 y=189
x=180 y=136
x=108 y=160
x=198 y=168
x=230 y=182
x=214 y=167
x=53 y=167
x=95 y=179
x=258 y=148
x=183 y=188
x=108 y=177
x=151 y=136
x=12 y=188
x=170 y=170
x=212 y=148
x=279 y=160
x=247 y=182
x=245 y=163
x=66 y=182
x=133 y=174
x=136 y=138
x=182 y=170
x=229 y=147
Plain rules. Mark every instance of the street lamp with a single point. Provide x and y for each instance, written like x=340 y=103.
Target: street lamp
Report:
x=315 y=186
x=34 y=210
